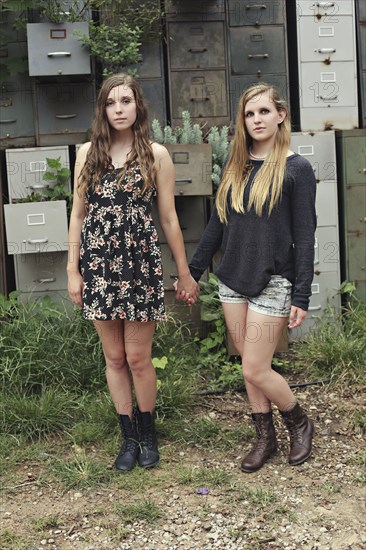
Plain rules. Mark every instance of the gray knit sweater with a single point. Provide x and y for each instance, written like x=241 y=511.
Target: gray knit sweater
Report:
x=254 y=248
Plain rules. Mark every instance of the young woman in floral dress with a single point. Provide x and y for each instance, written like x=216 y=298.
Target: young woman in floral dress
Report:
x=114 y=267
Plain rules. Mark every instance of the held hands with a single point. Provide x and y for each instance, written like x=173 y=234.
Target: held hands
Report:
x=186 y=289
x=297 y=315
x=75 y=288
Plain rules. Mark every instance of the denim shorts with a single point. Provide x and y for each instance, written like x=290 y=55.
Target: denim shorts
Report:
x=275 y=298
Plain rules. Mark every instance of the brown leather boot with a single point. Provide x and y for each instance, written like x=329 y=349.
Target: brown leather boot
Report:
x=265 y=445
x=301 y=431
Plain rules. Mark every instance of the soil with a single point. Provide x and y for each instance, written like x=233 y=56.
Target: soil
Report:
x=317 y=505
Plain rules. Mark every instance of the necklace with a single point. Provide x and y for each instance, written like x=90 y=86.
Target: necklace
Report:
x=257 y=158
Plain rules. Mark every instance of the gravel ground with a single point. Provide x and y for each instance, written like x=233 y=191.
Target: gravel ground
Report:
x=318 y=505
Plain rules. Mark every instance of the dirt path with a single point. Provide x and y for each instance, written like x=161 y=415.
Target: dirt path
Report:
x=318 y=505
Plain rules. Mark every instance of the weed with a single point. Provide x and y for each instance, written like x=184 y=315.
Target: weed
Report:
x=258 y=497
x=144 y=510
x=202 y=476
x=359 y=458
x=8 y=540
x=358 y=421
x=47 y=522
x=81 y=471
x=332 y=487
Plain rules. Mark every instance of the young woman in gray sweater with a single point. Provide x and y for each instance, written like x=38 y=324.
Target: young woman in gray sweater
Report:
x=264 y=222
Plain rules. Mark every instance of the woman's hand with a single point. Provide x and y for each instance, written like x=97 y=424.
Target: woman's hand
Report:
x=297 y=315
x=186 y=289
x=75 y=288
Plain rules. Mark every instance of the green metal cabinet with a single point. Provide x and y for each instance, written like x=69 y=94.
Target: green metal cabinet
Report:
x=351 y=151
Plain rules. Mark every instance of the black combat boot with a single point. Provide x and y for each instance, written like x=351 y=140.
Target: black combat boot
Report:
x=148 y=454
x=127 y=455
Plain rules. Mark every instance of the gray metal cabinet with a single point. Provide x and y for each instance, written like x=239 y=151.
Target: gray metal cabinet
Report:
x=64 y=112
x=327 y=65
x=257 y=43
x=54 y=49
x=36 y=227
x=361 y=28
x=197 y=58
x=351 y=150
x=192 y=216
x=26 y=168
x=193 y=167
x=319 y=149
x=41 y=272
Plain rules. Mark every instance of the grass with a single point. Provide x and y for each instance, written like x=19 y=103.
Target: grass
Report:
x=10 y=540
x=80 y=471
x=199 y=477
x=46 y=522
x=145 y=510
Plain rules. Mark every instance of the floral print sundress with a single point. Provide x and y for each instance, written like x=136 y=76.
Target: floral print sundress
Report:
x=120 y=256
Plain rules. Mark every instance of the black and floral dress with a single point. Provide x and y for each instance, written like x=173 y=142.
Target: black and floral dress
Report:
x=120 y=257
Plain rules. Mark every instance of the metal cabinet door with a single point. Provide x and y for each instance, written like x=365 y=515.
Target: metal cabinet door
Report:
x=195 y=10
x=170 y=272
x=16 y=115
x=254 y=13
x=196 y=45
x=65 y=108
x=41 y=272
x=238 y=84
x=362 y=45
x=8 y=18
x=326 y=203
x=151 y=64
x=26 y=168
x=335 y=86
x=193 y=168
x=36 y=227
x=319 y=150
x=357 y=256
x=154 y=93
x=191 y=212
x=361 y=10
x=54 y=49
x=356 y=208
x=253 y=51
x=60 y=297
x=323 y=42
x=202 y=93
x=327 y=11
x=13 y=52
x=355 y=159
x=326 y=249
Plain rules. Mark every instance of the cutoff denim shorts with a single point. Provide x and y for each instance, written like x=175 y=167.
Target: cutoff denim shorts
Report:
x=274 y=300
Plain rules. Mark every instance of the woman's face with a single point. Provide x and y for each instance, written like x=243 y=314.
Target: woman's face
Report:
x=261 y=118
x=121 y=108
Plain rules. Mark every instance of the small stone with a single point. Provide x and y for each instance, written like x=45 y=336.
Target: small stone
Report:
x=78 y=495
x=43 y=542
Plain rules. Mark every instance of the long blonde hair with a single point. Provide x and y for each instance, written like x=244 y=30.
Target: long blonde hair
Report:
x=98 y=158
x=267 y=185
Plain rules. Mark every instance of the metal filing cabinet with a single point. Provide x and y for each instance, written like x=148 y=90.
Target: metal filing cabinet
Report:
x=16 y=106
x=193 y=168
x=327 y=65
x=54 y=49
x=64 y=111
x=196 y=38
x=351 y=151
x=150 y=73
x=37 y=232
x=361 y=36
x=258 y=51
x=319 y=149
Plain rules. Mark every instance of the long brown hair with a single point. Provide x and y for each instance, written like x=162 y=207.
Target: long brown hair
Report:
x=267 y=185
x=98 y=158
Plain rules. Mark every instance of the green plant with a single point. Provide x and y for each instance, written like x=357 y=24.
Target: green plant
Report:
x=46 y=522
x=81 y=471
x=145 y=510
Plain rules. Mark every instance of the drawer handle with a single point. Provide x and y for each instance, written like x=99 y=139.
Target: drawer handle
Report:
x=59 y=54
x=258 y=56
x=66 y=116
x=316 y=262
x=181 y=181
x=38 y=241
x=46 y=280
x=256 y=7
x=325 y=4
x=326 y=50
x=197 y=50
x=315 y=308
x=362 y=171
x=363 y=220
x=8 y=121
x=329 y=98
x=199 y=99
x=39 y=186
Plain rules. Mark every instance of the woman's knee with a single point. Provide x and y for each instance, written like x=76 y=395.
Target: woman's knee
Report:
x=116 y=362
x=253 y=373
x=138 y=362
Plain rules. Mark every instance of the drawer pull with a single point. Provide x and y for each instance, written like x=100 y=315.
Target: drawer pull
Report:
x=324 y=4
x=197 y=50
x=326 y=50
x=315 y=308
x=8 y=121
x=46 y=280
x=39 y=186
x=183 y=181
x=256 y=7
x=59 y=54
x=258 y=56
x=66 y=116
x=329 y=98
x=38 y=241
x=362 y=171
x=199 y=99
x=316 y=262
